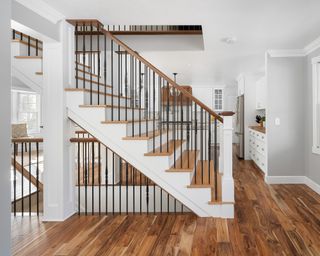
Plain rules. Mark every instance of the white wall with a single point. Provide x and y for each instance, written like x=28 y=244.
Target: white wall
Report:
x=5 y=134
x=286 y=79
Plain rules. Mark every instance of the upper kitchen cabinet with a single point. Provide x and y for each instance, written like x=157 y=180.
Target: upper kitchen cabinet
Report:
x=261 y=93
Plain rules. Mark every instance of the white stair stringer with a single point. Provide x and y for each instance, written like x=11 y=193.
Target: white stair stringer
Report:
x=154 y=167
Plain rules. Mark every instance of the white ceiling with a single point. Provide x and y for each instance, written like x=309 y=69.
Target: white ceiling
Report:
x=258 y=25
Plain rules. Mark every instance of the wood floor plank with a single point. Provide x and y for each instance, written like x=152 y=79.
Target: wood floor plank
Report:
x=269 y=220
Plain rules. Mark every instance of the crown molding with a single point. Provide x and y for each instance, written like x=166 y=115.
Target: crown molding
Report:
x=287 y=53
x=314 y=45
x=43 y=9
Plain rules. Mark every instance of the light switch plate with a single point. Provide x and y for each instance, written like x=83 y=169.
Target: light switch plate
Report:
x=277 y=121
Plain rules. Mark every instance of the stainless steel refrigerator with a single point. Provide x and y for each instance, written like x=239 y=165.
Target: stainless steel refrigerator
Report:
x=240 y=127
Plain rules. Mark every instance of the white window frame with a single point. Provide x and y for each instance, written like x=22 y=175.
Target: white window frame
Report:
x=315 y=102
x=214 y=99
x=17 y=112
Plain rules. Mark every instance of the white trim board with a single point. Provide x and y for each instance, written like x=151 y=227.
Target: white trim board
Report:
x=293 y=180
x=282 y=53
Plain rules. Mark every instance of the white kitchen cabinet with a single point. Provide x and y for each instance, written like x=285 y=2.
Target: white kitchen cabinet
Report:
x=261 y=93
x=258 y=149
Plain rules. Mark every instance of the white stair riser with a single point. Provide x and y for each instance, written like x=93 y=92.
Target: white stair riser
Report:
x=143 y=126
x=120 y=114
x=158 y=139
x=103 y=98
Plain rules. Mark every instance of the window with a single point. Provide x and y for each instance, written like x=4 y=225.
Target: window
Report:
x=218 y=99
x=316 y=104
x=26 y=109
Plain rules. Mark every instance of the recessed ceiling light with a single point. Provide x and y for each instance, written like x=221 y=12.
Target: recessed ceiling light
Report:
x=229 y=40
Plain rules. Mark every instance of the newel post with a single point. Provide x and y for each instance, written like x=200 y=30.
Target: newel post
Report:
x=226 y=167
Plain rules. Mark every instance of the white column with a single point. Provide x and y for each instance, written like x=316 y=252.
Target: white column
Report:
x=226 y=168
x=59 y=187
x=5 y=134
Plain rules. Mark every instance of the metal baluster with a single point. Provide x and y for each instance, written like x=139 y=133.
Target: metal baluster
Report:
x=14 y=178
x=126 y=187
x=29 y=46
x=112 y=182
x=154 y=111
x=126 y=85
x=168 y=95
x=91 y=64
x=98 y=57
x=140 y=85
x=209 y=147
x=120 y=183
x=106 y=179
x=37 y=47
x=119 y=81
x=93 y=177
x=140 y=187
x=133 y=189
x=78 y=177
x=105 y=70
x=99 y=177
x=77 y=53
x=201 y=143
x=22 y=178
x=195 y=142
x=84 y=57
x=86 y=177
x=37 y=175
x=215 y=161
x=112 y=80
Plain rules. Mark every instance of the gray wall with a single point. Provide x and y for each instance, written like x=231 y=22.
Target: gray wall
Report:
x=312 y=160
x=286 y=78
x=5 y=78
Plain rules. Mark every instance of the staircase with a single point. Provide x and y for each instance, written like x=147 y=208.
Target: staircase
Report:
x=150 y=121
x=26 y=53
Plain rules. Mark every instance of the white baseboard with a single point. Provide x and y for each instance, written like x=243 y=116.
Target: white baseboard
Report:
x=293 y=180
x=311 y=184
x=284 y=179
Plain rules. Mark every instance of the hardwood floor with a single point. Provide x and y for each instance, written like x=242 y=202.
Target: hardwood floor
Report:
x=269 y=220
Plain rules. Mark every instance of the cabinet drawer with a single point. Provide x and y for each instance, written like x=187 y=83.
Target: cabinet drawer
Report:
x=261 y=147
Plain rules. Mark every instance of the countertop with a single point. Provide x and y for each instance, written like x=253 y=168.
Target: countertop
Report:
x=258 y=128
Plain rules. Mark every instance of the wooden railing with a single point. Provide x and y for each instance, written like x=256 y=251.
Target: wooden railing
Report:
x=154 y=29
x=107 y=183
x=131 y=88
x=26 y=169
x=34 y=46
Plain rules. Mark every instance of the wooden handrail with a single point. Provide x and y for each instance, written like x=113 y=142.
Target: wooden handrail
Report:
x=161 y=74
x=26 y=140
x=75 y=140
x=172 y=83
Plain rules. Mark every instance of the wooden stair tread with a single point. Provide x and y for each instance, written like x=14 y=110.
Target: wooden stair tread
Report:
x=108 y=106
x=164 y=152
x=40 y=73
x=94 y=82
x=184 y=163
x=28 y=57
x=145 y=136
x=93 y=91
